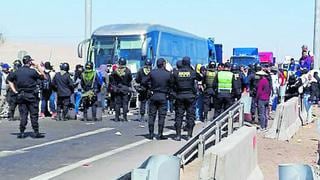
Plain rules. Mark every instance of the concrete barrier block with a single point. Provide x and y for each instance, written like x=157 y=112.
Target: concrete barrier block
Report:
x=273 y=131
x=290 y=122
x=140 y=174
x=236 y=158
x=287 y=120
x=159 y=167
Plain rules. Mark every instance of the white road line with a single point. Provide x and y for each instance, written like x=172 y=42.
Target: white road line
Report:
x=70 y=167
x=22 y=150
x=62 y=170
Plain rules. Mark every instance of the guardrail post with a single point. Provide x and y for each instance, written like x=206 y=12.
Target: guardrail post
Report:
x=230 y=123
x=217 y=132
x=201 y=145
x=241 y=112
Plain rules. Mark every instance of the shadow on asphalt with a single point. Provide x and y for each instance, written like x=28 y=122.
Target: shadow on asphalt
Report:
x=27 y=134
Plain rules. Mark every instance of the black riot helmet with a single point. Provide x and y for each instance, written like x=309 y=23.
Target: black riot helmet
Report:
x=257 y=67
x=89 y=66
x=161 y=63
x=227 y=65
x=212 y=65
x=122 y=61
x=26 y=59
x=235 y=67
x=17 y=64
x=179 y=64
x=148 y=62
x=64 y=67
x=186 y=61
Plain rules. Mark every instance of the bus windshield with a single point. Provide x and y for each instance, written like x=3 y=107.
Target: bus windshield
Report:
x=107 y=49
x=102 y=51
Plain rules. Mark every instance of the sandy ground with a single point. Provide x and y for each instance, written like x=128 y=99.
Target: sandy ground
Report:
x=55 y=52
x=300 y=149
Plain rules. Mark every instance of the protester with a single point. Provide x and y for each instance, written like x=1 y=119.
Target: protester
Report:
x=263 y=95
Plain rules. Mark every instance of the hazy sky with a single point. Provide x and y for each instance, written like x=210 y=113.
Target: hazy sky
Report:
x=281 y=26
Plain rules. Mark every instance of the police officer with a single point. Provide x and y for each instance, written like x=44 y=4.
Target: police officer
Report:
x=184 y=84
x=143 y=88
x=224 y=86
x=160 y=81
x=237 y=81
x=253 y=89
x=12 y=97
x=121 y=84
x=91 y=87
x=64 y=86
x=209 y=93
x=24 y=83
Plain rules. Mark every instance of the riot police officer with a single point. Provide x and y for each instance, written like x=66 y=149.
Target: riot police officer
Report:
x=253 y=89
x=91 y=87
x=64 y=86
x=184 y=84
x=24 y=83
x=209 y=93
x=121 y=85
x=160 y=81
x=237 y=81
x=143 y=88
x=224 y=86
x=12 y=97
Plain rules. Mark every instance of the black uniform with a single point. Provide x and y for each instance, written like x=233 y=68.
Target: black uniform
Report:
x=121 y=84
x=25 y=80
x=184 y=85
x=237 y=84
x=160 y=81
x=209 y=93
x=12 y=100
x=63 y=84
x=143 y=89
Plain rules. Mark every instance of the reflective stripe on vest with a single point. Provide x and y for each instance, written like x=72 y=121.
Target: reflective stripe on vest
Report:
x=225 y=81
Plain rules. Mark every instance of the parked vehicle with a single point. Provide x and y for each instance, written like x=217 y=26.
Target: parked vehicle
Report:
x=245 y=56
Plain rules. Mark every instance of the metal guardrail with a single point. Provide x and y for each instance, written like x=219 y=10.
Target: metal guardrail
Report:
x=211 y=134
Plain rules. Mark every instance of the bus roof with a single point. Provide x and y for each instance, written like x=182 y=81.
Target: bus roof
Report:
x=138 y=29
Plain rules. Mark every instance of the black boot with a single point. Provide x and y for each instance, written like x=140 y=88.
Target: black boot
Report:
x=160 y=133
x=151 y=132
x=117 y=116
x=21 y=135
x=142 y=119
x=85 y=116
x=178 y=136
x=190 y=130
x=37 y=134
x=125 y=117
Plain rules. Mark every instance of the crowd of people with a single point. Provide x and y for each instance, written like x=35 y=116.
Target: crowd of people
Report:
x=199 y=92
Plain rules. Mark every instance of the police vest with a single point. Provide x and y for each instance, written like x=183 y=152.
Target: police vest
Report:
x=225 y=81
x=185 y=81
x=210 y=75
x=146 y=70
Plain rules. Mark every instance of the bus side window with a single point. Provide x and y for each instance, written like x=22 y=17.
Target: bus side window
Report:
x=150 y=52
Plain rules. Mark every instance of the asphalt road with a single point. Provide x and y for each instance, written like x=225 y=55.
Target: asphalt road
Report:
x=65 y=143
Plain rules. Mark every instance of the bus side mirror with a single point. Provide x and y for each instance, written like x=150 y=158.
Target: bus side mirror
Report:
x=144 y=48
x=80 y=47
